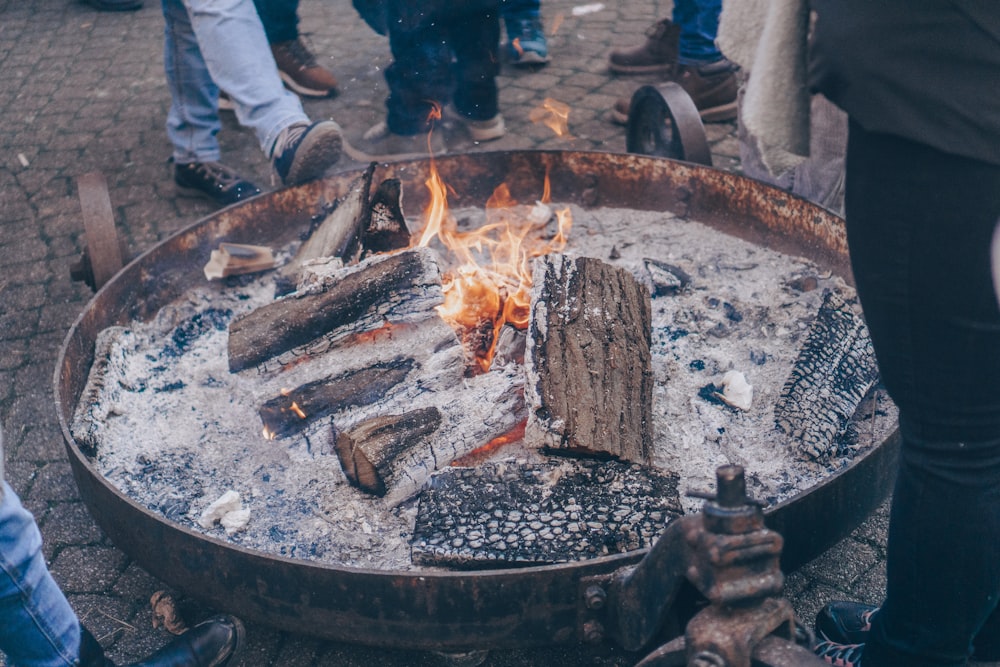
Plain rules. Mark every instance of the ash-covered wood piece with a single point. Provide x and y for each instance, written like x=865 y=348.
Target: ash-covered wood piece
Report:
x=97 y=400
x=396 y=288
x=337 y=234
x=385 y=228
x=588 y=363
x=296 y=409
x=833 y=372
x=372 y=453
x=511 y=514
x=233 y=259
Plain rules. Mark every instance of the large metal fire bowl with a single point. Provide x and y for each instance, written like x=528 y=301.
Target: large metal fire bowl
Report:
x=435 y=610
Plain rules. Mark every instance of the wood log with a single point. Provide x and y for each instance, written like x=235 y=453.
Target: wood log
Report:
x=233 y=259
x=386 y=228
x=396 y=288
x=833 y=372
x=296 y=409
x=337 y=234
x=372 y=452
x=507 y=513
x=589 y=371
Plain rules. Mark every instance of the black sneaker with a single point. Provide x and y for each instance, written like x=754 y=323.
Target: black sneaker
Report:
x=845 y=622
x=840 y=655
x=212 y=643
x=214 y=181
x=303 y=152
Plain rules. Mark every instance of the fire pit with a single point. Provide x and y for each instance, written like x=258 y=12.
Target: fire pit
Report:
x=425 y=608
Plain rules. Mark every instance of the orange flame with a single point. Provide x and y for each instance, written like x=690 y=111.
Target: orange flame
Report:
x=553 y=114
x=490 y=285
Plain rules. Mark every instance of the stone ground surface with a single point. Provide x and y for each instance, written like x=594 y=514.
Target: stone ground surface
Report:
x=82 y=91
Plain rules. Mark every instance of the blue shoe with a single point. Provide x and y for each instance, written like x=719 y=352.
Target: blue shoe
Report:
x=304 y=152
x=526 y=45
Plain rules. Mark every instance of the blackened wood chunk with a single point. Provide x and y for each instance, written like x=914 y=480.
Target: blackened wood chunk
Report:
x=588 y=363
x=667 y=279
x=373 y=453
x=511 y=514
x=386 y=228
x=363 y=298
x=294 y=410
x=338 y=233
x=833 y=372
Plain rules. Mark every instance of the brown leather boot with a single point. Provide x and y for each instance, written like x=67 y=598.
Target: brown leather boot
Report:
x=301 y=72
x=712 y=88
x=658 y=55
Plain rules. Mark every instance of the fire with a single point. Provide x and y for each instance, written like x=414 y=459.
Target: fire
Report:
x=490 y=285
x=553 y=114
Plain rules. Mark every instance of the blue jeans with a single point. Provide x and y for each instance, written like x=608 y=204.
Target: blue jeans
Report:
x=699 y=23
x=209 y=42
x=520 y=9
x=37 y=626
x=919 y=223
x=280 y=19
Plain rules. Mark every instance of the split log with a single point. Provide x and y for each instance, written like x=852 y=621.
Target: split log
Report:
x=295 y=410
x=338 y=233
x=97 y=400
x=834 y=371
x=372 y=452
x=535 y=514
x=589 y=368
x=397 y=288
x=386 y=228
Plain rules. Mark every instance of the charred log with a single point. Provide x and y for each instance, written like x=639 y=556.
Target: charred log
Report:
x=386 y=228
x=510 y=514
x=338 y=234
x=588 y=363
x=833 y=372
x=372 y=452
x=293 y=411
x=398 y=287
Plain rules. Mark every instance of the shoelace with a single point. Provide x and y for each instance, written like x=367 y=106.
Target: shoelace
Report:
x=840 y=655
x=219 y=174
x=288 y=137
x=302 y=56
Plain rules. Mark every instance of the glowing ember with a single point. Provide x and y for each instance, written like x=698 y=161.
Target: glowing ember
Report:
x=554 y=115
x=490 y=284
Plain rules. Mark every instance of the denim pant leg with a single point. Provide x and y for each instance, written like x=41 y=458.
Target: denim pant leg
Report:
x=280 y=19
x=37 y=626
x=520 y=9
x=475 y=39
x=699 y=24
x=221 y=42
x=919 y=223
x=419 y=77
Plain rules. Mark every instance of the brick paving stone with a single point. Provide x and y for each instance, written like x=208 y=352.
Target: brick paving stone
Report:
x=82 y=90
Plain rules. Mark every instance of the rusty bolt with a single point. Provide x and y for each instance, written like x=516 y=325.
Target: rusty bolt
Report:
x=593 y=632
x=596 y=597
x=707 y=659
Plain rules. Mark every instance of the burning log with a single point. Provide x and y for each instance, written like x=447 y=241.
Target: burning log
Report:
x=833 y=372
x=588 y=362
x=294 y=410
x=534 y=514
x=386 y=228
x=337 y=235
x=397 y=288
x=372 y=452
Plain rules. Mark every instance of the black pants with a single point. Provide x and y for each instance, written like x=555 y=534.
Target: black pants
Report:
x=451 y=56
x=919 y=224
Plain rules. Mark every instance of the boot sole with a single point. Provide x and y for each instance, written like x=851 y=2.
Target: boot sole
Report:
x=719 y=114
x=299 y=89
x=641 y=69
x=319 y=150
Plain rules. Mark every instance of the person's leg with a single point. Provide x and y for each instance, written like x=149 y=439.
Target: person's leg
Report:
x=919 y=224
x=419 y=77
x=698 y=21
x=37 y=626
x=475 y=39
x=280 y=19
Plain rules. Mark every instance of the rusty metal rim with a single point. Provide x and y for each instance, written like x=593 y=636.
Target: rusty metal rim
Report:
x=425 y=609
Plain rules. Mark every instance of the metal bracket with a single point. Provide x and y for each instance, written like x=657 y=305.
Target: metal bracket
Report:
x=664 y=122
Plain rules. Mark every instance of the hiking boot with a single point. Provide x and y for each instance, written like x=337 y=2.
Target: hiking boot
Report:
x=845 y=622
x=840 y=655
x=304 y=152
x=113 y=5
x=712 y=88
x=212 y=643
x=214 y=181
x=657 y=55
x=526 y=45
x=486 y=130
x=299 y=70
x=381 y=145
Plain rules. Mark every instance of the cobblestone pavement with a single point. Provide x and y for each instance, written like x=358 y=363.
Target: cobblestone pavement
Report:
x=82 y=91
